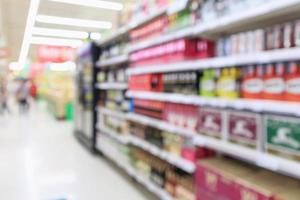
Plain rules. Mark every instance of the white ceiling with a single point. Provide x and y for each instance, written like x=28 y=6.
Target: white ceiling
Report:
x=14 y=14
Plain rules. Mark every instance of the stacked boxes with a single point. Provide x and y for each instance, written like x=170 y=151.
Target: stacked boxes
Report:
x=283 y=135
x=221 y=178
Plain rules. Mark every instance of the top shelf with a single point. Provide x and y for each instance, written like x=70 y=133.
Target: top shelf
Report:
x=234 y=22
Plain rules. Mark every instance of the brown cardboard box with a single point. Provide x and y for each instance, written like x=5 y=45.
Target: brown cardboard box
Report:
x=221 y=178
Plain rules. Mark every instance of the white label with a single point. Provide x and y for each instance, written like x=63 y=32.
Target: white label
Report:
x=274 y=85
x=228 y=85
x=209 y=85
x=293 y=86
x=253 y=85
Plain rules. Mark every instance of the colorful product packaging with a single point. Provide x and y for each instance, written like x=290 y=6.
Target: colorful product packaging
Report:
x=292 y=89
x=227 y=179
x=283 y=135
x=181 y=82
x=245 y=128
x=205 y=48
x=177 y=50
x=228 y=85
x=146 y=82
x=252 y=83
x=211 y=122
x=274 y=83
x=208 y=83
x=181 y=115
x=149 y=108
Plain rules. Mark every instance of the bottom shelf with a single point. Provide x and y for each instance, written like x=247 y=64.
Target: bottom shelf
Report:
x=162 y=194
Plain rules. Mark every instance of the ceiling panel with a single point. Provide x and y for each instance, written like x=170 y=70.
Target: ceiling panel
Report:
x=15 y=12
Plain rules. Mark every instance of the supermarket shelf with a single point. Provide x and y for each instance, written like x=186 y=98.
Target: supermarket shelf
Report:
x=186 y=32
x=162 y=194
x=261 y=159
x=179 y=162
x=106 y=111
x=144 y=20
x=113 y=61
x=147 y=120
x=271 y=106
x=256 y=14
x=280 y=55
x=265 y=11
x=159 y=124
x=173 y=8
x=123 y=139
x=270 y=162
x=172 y=159
x=112 y=86
x=119 y=33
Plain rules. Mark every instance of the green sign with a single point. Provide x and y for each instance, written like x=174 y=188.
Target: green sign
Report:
x=283 y=133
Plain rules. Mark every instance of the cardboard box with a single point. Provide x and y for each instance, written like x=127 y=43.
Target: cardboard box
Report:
x=245 y=127
x=283 y=135
x=211 y=122
x=221 y=178
x=182 y=115
x=149 y=108
x=146 y=82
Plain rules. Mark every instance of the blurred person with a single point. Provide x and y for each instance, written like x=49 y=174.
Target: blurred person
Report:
x=3 y=98
x=23 y=96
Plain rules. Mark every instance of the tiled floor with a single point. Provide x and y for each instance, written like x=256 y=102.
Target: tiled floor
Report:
x=40 y=159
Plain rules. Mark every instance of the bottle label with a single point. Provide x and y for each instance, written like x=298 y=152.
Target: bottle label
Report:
x=274 y=85
x=253 y=85
x=228 y=85
x=208 y=85
x=293 y=86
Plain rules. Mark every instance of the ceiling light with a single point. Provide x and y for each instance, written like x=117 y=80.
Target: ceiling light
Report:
x=60 y=33
x=94 y=3
x=33 y=10
x=73 y=22
x=55 y=41
x=95 y=36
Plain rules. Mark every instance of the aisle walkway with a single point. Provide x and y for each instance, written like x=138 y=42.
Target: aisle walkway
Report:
x=41 y=160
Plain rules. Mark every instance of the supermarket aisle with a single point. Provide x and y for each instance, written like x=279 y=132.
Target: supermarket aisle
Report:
x=40 y=159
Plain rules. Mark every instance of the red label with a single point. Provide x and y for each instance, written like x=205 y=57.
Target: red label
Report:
x=243 y=126
x=210 y=122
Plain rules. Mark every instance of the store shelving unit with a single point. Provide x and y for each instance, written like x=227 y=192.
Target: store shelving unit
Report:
x=129 y=139
x=233 y=23
x=271 y=106
x=112 y=86
x=135 y=175
x=85 y=101
x=113 y=61
x=280 y=55
x=269 y=10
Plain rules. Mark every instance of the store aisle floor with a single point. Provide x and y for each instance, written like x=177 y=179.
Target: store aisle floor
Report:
x=41 y=160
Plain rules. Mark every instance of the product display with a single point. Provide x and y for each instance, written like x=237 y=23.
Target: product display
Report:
x=221 y=178
x=210 y=83
x=283 y=136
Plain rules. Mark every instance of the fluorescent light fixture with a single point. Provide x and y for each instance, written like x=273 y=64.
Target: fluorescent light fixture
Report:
x=15 y=66
x=32 y=13
x=73 y=22
x=55 y=41
x=94 y=3
x=61 y=67
x=95 y=36
x=60 y=33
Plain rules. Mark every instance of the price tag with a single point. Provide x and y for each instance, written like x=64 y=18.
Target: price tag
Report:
x=267 y=162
